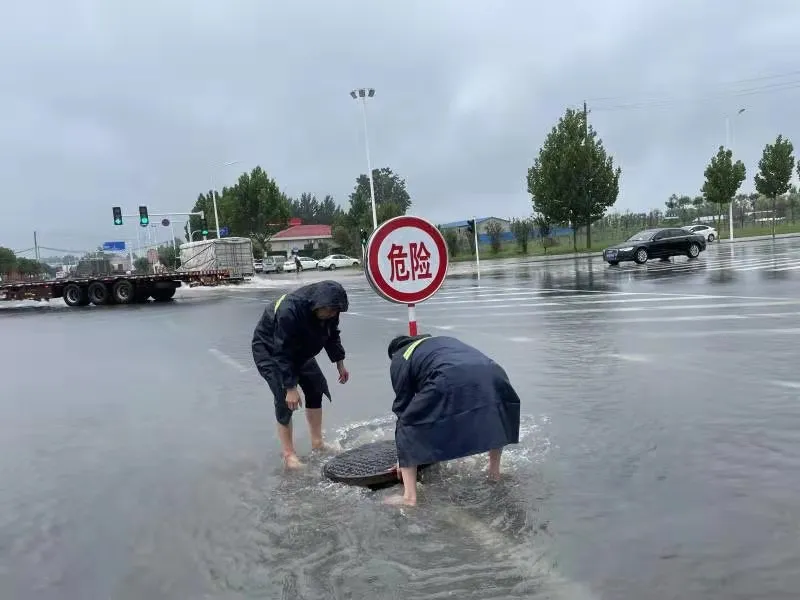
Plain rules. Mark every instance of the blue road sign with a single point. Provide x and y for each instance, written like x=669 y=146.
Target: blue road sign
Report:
x=223 y=231
x=114 y=246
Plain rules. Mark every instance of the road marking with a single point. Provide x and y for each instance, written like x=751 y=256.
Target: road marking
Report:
x=639 y=358
x=792 y=385
x=228 y=360
x=520 y=339
x=709 y=333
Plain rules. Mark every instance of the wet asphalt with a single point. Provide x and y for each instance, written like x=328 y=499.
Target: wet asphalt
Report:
x=138 y=459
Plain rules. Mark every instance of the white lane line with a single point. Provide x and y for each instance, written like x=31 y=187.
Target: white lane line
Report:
x=222 y=357
x=718 y=332
x=438 y=305
x=792 y=385
x=638 y=358
x=520 y=339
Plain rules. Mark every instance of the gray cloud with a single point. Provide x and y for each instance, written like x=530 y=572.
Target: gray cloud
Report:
x=120 y=103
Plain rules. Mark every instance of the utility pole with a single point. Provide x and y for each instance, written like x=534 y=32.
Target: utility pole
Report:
x=586 y=176
x=36 y=246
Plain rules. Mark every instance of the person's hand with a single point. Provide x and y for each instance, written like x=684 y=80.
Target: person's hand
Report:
x=293 y=400
x=344 y=374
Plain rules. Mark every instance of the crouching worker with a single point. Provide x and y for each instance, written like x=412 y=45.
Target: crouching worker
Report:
x=451 y=401
x=292 y=331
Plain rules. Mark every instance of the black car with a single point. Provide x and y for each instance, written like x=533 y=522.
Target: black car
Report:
x=656 y=243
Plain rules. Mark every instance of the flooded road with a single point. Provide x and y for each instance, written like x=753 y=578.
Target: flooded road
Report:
x=661 y=438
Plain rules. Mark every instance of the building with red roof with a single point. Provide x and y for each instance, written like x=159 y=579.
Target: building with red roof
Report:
x=300 y=238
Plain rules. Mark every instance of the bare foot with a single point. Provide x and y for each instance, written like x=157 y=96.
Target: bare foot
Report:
x=325 y=448
x=494 y=475
x=399 y=500
x=292 y=462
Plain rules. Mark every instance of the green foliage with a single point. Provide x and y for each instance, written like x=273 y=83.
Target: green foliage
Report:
x=522 y=229
x=168 y=256
x=723 y=178
x=142 y=265
x=254 y=207
x=452 y=241
x=313 y=212
x=8 y=261
x=775 y=171
x=494 y=230
x=573 y=181
x=391 y=200
x=543 y=228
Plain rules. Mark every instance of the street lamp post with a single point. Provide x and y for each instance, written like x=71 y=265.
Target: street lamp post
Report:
x=214 y=194
x=728 y=146
x=362 y=94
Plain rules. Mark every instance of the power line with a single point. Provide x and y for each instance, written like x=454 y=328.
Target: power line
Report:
x=667 y=100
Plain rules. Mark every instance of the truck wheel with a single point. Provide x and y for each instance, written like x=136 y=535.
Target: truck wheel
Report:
x=98 y=293
x=75 y=295
x=123 y=292
x=163 y=295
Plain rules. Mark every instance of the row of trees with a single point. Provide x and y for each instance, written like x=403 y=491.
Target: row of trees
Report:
x=257 y=208
x=11 y=264
x=724 y=177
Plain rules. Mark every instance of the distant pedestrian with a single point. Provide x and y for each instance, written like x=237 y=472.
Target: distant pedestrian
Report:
x=451 y=401
x=291 y=332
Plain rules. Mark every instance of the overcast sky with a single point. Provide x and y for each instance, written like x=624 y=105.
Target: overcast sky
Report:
x=120 y=103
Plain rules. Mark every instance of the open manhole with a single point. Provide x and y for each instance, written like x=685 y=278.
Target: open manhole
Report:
x=371 y=465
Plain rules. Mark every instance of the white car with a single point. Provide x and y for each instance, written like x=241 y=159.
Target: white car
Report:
x=705 y=230
x=305 y=262
x=337 y=261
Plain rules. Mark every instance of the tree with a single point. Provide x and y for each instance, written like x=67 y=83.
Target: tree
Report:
x=543 y=228
x=141 y=264
x=8 y=261
x=391 y=200
x=451 y=239
x=313 y=212
x=573 y=181
x=522 y=229
x=167 y=255
x=254 y=207
x=775 y=171
x=723 y=179
x=495 y=232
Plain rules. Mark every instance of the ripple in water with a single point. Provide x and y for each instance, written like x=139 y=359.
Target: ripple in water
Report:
x=300 y=537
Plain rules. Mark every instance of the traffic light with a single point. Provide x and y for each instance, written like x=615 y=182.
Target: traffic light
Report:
x=144 y=220
x=203 y=227
x=471 y=226
x=117 y=215
x=364 y=237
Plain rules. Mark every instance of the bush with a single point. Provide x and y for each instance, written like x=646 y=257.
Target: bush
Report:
x=495 y=231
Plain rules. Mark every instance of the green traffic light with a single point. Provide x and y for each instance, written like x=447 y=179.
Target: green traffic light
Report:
x=144 y=221
x=117 y=221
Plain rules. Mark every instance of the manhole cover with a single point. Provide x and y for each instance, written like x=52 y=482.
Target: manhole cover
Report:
x=368 y=465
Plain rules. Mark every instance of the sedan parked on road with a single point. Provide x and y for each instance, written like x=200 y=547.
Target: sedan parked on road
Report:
x=305 y=262
x=705 y=230
x=337 y=261
x=656 y=243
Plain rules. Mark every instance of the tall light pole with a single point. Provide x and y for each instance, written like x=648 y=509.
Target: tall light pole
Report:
x=362 y=94
x=728 y=147
x=213 y=192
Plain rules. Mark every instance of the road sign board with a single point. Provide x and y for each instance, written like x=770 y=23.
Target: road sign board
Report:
x=223 y=231
x=407 y=260
x=114 y=246
x=165 y=222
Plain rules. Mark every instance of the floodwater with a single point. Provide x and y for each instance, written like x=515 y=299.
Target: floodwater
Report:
x=658 y=457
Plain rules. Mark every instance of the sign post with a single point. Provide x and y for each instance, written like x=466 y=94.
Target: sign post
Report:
x=406 y=262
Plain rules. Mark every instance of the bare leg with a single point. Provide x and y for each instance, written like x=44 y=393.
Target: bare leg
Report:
x=409 y=497
x=314 y=420
x=287 y=447
x=494 y=463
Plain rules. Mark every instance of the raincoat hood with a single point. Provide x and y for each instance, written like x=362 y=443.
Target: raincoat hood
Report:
x=324 y=294
x=401 y=341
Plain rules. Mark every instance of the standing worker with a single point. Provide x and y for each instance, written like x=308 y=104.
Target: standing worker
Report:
x=451 y=401
x=291 y=332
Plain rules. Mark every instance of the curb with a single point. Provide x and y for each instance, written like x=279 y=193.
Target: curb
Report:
x=571 y=256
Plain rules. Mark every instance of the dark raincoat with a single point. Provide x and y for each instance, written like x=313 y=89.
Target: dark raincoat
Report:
x=289 y=336
x=451 y=400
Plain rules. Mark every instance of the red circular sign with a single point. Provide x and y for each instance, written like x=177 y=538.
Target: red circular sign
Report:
x=407 y=260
